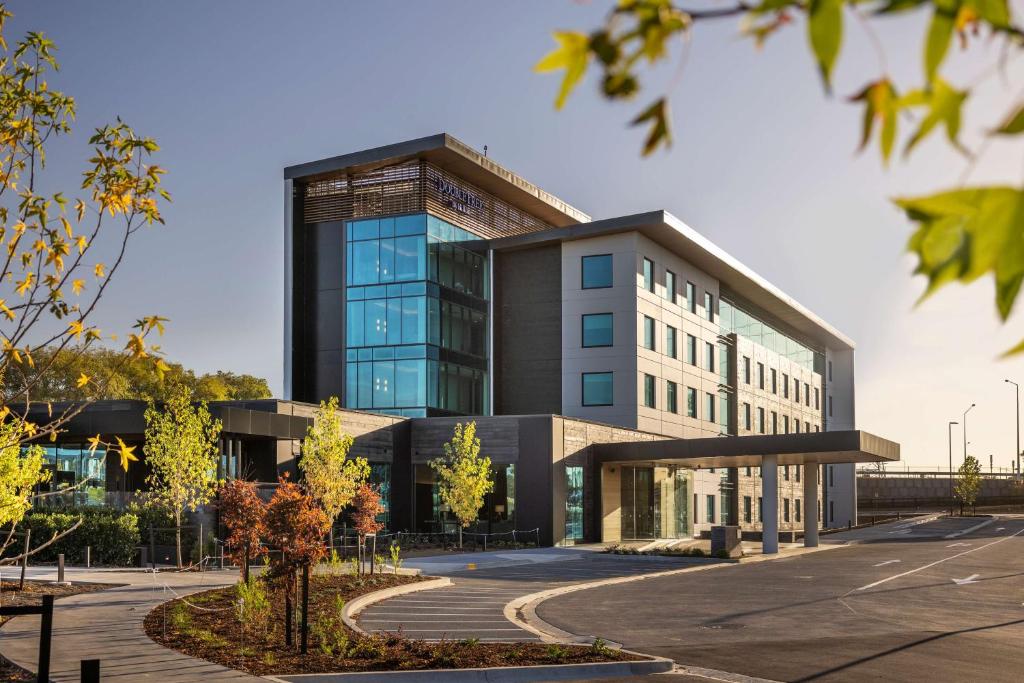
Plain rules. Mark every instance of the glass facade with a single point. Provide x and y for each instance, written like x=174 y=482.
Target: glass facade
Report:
x=654 y=502
x=498 y=513
x=736 y=320
x=70 y=464
x=416 y=317
x=573 y=503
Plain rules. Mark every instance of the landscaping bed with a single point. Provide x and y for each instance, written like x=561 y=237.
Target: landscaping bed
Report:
x=32 y=595
x=206 y=625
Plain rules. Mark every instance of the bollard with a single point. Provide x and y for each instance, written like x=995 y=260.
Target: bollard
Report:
x=88 y=564
x=45 y=639
x=90 y=671
x=152 y=549
x=60 y=568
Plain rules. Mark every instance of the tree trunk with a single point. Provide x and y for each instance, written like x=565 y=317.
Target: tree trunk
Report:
x=460 y=536
x=177 y=535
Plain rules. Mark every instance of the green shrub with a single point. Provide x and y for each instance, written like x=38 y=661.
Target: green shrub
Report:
x=112 y=536
x=253 y=607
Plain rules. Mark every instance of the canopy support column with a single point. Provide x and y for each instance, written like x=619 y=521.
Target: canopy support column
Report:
x=811 y=505
x=770 y=504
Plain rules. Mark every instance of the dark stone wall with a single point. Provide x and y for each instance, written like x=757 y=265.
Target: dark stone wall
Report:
x=528 y=331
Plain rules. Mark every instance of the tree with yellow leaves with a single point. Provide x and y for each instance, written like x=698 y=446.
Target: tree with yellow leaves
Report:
x=181 y=451
x=463 y=477
x=58 y=256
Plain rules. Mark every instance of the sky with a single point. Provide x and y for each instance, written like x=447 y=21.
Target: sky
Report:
x=764 y=164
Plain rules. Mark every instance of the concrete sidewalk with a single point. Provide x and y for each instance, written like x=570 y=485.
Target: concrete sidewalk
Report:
x=108 y=625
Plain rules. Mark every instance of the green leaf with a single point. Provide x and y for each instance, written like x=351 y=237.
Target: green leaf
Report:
x=657 y=116
x=940 y=33
x=880 y=102
x=944 y=106
x=825 y=31
x=572 y=55
x=965 y=234
x=1013 y=125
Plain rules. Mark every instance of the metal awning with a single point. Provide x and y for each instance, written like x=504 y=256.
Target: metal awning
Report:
x=748 y=451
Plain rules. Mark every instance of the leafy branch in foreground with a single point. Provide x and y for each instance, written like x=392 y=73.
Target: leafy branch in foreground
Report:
x=963 y=233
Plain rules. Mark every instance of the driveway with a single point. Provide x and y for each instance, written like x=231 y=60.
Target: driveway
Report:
x=942 y=602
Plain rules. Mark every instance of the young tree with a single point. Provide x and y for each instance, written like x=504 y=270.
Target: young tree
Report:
x=968 y=482
x=181 y=451
x=368 y=506
x=58 y=261
x=244 y=515
x=964 y=232
x=330 y=476
x=463 y=477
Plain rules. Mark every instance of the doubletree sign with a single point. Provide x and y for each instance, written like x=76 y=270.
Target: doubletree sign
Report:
x=457 y=198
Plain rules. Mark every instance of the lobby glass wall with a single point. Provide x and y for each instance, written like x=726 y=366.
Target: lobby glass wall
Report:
x=70 y=464
x=497 y=515
x=573 y=504
x=416 y=317
x=655 y=502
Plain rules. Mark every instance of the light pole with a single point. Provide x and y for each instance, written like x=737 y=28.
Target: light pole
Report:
x=1016 y=455
x=951 y=423
x=964 y=427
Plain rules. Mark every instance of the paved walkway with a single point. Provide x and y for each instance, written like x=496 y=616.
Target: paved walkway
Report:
x=107 y=625
x=473 y=606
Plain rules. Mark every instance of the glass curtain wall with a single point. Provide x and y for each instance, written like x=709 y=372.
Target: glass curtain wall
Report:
x=497 y=515
x=655 y=502
x=735 y=319
x=573 y=504
x=70 y=464
x=416 y=317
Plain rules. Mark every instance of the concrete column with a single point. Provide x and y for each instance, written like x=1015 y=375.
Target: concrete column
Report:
x=770 y=504
x=811 y=505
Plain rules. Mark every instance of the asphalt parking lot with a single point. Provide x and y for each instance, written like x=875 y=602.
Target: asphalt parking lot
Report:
x=933 y=601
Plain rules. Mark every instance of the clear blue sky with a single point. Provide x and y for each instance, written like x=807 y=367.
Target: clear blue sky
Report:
x=763 y=164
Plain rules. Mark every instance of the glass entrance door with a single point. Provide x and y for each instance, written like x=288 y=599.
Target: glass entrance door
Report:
x=655 y=503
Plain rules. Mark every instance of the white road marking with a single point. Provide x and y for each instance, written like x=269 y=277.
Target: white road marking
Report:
x=968 y=530
x=953 y=545
x=969 y=579
x=1000 y=528
x=902 y=532
x=945 y=559
x=882 y=564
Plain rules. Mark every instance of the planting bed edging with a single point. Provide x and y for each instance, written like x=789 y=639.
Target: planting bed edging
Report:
x=353 y=608
x=508 y=674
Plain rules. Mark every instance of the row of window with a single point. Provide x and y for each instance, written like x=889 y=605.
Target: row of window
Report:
x=597 y=273
x=773 y=383
x=795 y=504
x=785 y=472
x=599 y=390
x=756 y=422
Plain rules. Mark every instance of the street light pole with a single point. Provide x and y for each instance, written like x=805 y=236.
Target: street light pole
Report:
x=1016 y=455
x=965 y=431
x=951 y=467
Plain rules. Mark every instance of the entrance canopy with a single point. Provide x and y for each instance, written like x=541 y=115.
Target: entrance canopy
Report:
x=749 y=451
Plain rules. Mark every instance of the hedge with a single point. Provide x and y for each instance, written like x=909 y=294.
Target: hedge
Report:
x=112 y=536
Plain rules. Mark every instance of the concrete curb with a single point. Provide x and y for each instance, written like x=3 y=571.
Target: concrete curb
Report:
x=511 y=674
x=353 y=608
x=523 y=610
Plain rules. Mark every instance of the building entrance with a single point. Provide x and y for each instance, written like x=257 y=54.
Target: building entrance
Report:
x=655 y=502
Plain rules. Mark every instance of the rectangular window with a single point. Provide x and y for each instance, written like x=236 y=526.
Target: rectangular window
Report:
x=785 y=472
x=573 y=503
x=831 y=476
x=649 y=395
x=831 y=511
x=709 y=407
x=796 y=390
x=748 y=472
x=775 y=422
x=597 y=330
x=785 y=510
x=709 y=356
x=830 y=371
x=746 y=417
x=817 y=398
x=760 y=509
x=807 y=426
x=746 y=507
x=710 y=508
x=785 y=424
x=691 y=297
x=760 y=420
x=807 y=395
x=796 y=423
x=709 y=306
x=796 y=509
x=785 y=385
x=597 y=388
x=691 y=402
x=648 y=333
x=775 y=381
x=596 y=271
x=672 y=401
x=670 y=286
x=670 y=342
x=648 y=275
x=760 y=375
x=746 y=370
x=691 y=349
x=830 y=406
x=797 y=468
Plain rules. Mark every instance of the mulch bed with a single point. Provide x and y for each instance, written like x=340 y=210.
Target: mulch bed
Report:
x=209 y=628
x=34 y=590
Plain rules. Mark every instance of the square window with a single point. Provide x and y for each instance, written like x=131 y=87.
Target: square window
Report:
x=597 y=388
x=649 y=392
x=597 y=330
x=597 y=271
